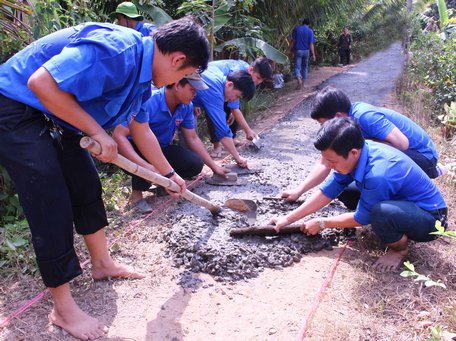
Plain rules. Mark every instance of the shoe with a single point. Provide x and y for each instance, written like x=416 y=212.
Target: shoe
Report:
x=441 y=169
x=141 y=206
x=160 y=191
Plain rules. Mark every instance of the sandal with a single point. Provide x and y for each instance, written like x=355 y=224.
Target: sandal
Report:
x=141 y=206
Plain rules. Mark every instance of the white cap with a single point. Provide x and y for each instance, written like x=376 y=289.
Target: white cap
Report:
x=196 y=81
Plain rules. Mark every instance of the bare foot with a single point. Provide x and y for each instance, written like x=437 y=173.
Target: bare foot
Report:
x=114 y=270
x=76 y=322
x=390 y=261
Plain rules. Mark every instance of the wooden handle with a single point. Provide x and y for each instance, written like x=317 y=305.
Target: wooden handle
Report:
x=133 y=168
x=267 y=230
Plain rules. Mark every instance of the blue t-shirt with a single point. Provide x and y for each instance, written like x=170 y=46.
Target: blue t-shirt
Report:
x=164 y=124
x=146 y=29
x=106 y=67
x=227 y=66
x=213 y=99
x=385 y=173
x=303 y=37
x=377 y=123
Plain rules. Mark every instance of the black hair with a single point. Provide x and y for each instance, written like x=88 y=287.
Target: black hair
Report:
x=182 y=82
x=328 y=102
x=341 y=134
x=186 y=36
x=263 y=67
x=306 y=21
x=243 y=81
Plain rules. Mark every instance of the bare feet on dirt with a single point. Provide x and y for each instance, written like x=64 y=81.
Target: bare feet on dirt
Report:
x=76 y=322
x=390 y=261
x=114 y=270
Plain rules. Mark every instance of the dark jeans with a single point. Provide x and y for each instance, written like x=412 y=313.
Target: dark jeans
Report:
x=185 y=162
x=428 y=166
x=344 y=56
x=57 y=184
x=210 y=126
x=392 y=219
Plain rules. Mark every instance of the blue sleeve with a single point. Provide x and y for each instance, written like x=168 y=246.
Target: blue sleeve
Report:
x=375 y=125
x=293 y=34
x=188 y=121
x=86 y=70
x=336 y=184
x=214 y=109
x=234 y=105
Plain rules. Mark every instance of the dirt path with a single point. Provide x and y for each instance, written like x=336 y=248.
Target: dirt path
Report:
x=269 y=301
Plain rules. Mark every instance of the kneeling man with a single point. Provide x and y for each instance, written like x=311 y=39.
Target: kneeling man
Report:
x=396 y=197
x=169 y=108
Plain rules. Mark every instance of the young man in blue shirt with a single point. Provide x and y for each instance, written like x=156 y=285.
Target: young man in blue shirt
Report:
x=396 y=197
x=86 y=78
x=379 y=124
x=127 y=15
x=260 y=70
x=170 y=108
x=236 y=85
x=302 y=41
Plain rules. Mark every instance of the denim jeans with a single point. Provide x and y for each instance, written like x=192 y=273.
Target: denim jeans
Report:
x=301 y=60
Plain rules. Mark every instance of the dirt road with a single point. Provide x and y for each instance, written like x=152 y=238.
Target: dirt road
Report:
x=258 y=288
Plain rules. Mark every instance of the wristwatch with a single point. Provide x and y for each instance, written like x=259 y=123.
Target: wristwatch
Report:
x=322 y=224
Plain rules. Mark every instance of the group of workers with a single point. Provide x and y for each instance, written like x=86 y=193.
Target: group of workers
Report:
x=145 y=83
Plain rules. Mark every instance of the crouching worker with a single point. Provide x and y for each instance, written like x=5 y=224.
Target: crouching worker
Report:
x=170 y=108
x=236 y=85
x=396 y=197
x=86 y=78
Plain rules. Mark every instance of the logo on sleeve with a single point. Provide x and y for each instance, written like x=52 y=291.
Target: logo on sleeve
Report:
x=178 y=122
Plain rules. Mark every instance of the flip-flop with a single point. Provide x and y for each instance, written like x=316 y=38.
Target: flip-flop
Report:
x=141 y=206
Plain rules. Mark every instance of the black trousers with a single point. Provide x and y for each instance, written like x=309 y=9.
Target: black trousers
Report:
x=57 y=184
x=344 y=56
x=185 y=162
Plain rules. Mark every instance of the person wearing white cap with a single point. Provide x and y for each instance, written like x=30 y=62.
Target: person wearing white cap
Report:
x=170 y=108
x=127 y=15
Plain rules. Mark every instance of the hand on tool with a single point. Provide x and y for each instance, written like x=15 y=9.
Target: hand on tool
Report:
x=108 y=146
x=291 y=195
x=311 y=226
x=178 y=180
x=278 y=223
x=242 y=162
x=220 y=170
x=250 y=134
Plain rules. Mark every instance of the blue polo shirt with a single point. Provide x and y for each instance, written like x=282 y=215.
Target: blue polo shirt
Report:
x=162 y=122
x=303 y=37
x=377 y=123
x=106 y=67
x=213 y=99
x=385 y=173
x=145 y=28
x=227 y=66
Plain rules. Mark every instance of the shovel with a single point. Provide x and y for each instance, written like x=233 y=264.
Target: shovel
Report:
x=246 y=206
x=133 y=168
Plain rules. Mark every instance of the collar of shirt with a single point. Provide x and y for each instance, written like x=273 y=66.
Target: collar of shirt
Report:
x=360 y=170
x=163 y=104
x=148 y=57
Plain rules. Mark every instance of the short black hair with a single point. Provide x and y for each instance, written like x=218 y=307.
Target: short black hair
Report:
x=186 y=36
x=341 y=134
x=263 y=67
x=243 y=81
x=306 y=21
x=182 y=82
x=328 y=102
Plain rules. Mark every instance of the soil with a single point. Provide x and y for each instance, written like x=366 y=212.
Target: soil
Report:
x=203 y=284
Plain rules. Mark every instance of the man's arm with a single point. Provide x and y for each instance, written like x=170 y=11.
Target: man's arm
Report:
x=64 y=106
x=228 y=143
x=316 y=176
x=317 y=201
x=149 y=147
x=240 y=119
x=397 y=139
x=312 y=50
x=346 y=220
x=194 y=143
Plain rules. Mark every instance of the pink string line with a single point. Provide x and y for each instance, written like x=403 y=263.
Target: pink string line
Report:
x=130 y=228
x=315 y=304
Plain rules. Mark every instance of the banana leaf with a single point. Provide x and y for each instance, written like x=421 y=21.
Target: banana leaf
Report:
x=159 y=16
x=443 y=14
x=247 y=43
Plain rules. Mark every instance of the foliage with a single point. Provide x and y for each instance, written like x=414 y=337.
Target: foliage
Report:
x=441 y=231
x=433 y=64
x=418 y=277
x=113 y=189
